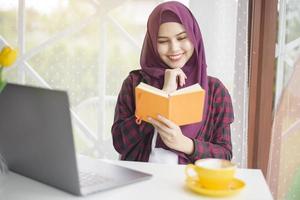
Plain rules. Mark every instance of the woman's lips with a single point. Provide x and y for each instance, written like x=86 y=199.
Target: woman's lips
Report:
x=175 y=57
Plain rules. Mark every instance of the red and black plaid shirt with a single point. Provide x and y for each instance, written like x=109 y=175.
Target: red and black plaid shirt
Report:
x=133 y=141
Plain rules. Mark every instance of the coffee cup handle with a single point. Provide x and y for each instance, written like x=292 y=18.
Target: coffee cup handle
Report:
x=187 y=170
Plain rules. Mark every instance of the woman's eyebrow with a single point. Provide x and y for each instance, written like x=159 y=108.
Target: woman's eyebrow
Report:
x=162 y=37
x=181 y=33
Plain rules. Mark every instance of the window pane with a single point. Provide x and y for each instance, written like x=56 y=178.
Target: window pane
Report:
x=8 y=21
x=284 y=166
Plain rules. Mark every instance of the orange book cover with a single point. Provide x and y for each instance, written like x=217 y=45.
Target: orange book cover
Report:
x=183 y=106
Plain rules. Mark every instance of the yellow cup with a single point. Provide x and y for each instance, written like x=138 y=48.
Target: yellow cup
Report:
x=212 y=173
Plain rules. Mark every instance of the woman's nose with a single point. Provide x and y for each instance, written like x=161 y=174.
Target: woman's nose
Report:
x=174 y=46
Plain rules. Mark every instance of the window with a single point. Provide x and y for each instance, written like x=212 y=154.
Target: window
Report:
x=284 y=163
x=88 y=48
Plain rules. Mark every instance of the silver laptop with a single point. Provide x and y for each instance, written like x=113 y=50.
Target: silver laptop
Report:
x=36 y=140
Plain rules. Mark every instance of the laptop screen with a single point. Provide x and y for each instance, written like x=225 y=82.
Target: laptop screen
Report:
x=36 y=135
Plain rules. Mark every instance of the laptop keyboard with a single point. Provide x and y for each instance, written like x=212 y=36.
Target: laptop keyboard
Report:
x=90 y=178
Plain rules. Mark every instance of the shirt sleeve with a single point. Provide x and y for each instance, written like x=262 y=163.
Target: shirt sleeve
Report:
x=220 y=147
x=219 y=143
x=128 y=136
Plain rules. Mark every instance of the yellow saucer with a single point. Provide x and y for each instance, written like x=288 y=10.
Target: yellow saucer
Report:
x=235 y=186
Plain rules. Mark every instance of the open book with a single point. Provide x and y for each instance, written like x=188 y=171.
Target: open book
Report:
x=183 y=106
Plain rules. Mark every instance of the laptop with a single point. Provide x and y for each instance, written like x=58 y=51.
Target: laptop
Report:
x=36 y=141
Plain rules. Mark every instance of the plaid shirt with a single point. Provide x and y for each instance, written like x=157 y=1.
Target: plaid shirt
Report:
x=133 y=141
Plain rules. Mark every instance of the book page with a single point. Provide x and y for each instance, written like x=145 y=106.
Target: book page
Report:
x=152 y=89
x=189 y=89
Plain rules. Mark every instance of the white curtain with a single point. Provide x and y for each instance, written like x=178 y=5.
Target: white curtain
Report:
x=224 y=25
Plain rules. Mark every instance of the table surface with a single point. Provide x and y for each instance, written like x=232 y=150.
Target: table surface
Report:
x=168 y=182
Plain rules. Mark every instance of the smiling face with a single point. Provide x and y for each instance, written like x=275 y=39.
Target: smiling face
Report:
x=173 y=45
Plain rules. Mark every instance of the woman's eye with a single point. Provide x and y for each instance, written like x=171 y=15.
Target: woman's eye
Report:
x=162 y=41
x=182 y=38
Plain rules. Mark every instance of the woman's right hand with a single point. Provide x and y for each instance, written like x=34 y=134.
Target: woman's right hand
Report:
x=173 y=78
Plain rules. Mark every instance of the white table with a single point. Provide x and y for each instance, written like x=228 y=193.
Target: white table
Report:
x=167 y=183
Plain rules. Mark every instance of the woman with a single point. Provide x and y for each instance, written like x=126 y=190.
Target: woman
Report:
x=173 y=57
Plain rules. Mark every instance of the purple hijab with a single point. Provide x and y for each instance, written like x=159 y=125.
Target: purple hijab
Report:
x=154 y=67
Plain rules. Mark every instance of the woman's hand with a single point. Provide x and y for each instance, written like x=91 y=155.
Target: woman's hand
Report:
x=173 y=78
x=172 y=136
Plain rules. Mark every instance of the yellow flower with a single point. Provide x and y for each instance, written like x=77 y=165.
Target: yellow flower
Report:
x=7 y=56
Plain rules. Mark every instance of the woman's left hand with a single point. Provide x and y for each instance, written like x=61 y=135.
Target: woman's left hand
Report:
x=172 y=136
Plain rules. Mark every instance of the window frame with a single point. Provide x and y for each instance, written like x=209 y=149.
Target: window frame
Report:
x=262 y=43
